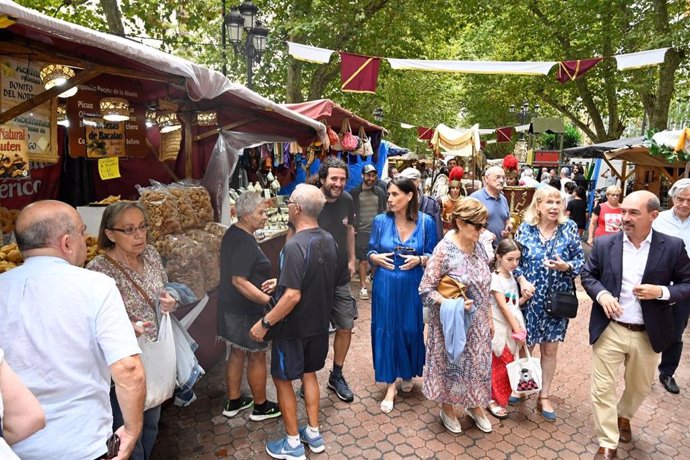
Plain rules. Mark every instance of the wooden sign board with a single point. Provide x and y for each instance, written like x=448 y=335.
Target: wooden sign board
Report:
x=14 y=152
x=104 y=138
x=20 y=80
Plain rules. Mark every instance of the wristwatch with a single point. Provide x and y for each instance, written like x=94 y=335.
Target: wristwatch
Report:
x=264 y=323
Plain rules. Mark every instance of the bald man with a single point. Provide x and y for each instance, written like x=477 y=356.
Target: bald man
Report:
x=634 y=277
x=494 y=200
x=65 y=332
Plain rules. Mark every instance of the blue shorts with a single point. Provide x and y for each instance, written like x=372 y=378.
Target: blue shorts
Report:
x=292 y=358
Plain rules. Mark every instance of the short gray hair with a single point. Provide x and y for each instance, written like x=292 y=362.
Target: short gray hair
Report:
x=247 y=203
x=309 y=198
x=678 y=187
x=43 y=233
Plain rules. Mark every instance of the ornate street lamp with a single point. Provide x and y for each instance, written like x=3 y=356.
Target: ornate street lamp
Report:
x=378 y=114
x=253 y=44
x=524 y=114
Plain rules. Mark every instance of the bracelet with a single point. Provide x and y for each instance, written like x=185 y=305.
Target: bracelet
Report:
x=420 y=260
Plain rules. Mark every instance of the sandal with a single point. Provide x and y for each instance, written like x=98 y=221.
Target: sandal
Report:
x=387 y=404
x=497 y=411
x=406 y=386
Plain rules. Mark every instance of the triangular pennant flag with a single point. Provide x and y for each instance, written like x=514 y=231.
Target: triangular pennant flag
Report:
x=570 y=70
x=504 y=134
x=359 y=74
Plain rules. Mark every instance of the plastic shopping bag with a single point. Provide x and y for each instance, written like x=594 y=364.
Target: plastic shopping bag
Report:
x=160 y=364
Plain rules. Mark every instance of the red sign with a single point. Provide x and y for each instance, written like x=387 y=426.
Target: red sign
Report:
x=546 y=158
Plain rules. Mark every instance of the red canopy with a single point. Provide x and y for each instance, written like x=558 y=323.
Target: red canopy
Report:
x=334 y=115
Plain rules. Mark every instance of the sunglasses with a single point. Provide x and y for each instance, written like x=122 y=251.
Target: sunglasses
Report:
x=477 y=226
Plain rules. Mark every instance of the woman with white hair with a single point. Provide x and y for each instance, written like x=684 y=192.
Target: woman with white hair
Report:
x=606 y=217
x=244 y=291
x=552 y=257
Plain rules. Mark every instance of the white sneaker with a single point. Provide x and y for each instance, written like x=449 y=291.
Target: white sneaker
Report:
x=364 y=294
x=451 y=424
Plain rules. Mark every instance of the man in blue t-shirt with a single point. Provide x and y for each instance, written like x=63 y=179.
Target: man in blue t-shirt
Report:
x=303 y=312
x=494 y=200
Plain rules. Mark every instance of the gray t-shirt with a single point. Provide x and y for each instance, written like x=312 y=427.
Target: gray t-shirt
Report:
x=368 y=208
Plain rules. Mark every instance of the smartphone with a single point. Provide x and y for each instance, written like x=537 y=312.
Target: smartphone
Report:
x=113 y=445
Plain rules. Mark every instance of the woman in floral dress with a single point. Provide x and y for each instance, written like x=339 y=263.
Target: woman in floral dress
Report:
x=467 y=382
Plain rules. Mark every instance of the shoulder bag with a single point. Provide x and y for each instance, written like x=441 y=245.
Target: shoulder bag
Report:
x=561 y=304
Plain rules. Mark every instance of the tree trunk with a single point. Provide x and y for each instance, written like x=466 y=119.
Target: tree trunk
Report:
x=293 y=88
x=113 y=16
x=657 y=106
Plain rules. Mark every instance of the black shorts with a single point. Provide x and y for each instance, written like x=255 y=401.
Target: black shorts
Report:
x=362 y=245
x=292 y=358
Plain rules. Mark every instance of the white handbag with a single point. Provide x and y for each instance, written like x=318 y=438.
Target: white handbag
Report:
x=524 y=374
x=160 y=364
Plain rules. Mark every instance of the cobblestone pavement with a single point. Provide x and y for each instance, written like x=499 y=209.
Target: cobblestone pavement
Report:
x=413 y=429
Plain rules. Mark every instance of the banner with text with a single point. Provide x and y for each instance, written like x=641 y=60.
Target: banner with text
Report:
x=14 y=152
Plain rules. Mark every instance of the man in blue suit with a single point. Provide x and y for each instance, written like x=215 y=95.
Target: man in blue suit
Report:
x=634 y=277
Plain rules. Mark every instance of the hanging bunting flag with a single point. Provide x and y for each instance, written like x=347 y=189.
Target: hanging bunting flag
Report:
x=641 y=59
x=406 y=126
x=309 y=53
x=482 y=67
x=424 y=134
x=504 y=135
x=570 y=70
x=359 y=74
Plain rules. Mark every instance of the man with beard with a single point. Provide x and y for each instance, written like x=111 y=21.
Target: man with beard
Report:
x=491 y=195
x=337 y=218
x=675 y=222
x=369 y=200
x=634 y=277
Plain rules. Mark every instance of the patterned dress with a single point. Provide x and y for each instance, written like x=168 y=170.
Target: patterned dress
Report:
x=542 y=327
x=468 y=382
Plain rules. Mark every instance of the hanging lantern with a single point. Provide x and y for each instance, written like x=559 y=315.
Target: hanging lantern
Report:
x=206 y=118
x=151 y=118
x=168 y=122
x=114 y=109
x=57 y=75
x=62 y=116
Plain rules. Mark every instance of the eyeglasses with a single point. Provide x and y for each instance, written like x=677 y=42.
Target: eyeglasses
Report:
x=477 y=226
x=288 y=202
x=131 y=229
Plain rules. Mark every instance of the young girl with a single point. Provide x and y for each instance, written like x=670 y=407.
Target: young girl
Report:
x=509 y=324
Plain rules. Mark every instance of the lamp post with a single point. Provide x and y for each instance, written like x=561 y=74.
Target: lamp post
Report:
x=524 y=114
x=378 y=114
x=253 y=44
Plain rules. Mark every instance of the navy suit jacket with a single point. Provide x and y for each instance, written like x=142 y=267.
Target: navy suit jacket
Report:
x=667 y=265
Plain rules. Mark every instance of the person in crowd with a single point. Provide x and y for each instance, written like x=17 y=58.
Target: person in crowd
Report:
x=427 y=204
x=527 y=179
x=337 y=218
x=451 y=163
x=21 y=414
x=369 y=200
x=466 y=382
x=454 y=194
x=552 y=256
x=633 y=278
x=606 y=217
x=491 y=196
x=675 y=222
x=564 y=177
x=470 y=183
x=579 y=176
x=401 y=243
x=510 y=332
x=568 y=194
x=610 y=178
x=138 y=271
x=577 y=209
x=82 y=336
x=245 y=289
x=392 y=174
x=545 y=176
x=305 y=295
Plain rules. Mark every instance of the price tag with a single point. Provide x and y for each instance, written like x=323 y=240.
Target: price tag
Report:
x=109 y=168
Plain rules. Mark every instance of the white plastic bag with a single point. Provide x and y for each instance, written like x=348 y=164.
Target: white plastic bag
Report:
x=524 y=374
x=160 y=364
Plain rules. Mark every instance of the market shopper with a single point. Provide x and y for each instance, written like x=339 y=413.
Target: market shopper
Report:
x=427 y=204
x=449 y=201
x=606 y=217
x=138 y=271
x=576 y=210
x=401 y=242
x=369 y=200
x=337 y=218
x=305 y=294
x=245 y=289
x=75 y=321
x=491 y=196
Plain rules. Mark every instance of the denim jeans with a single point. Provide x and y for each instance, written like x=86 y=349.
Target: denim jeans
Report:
x=142 y=451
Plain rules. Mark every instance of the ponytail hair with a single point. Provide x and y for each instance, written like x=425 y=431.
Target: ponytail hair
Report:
x=505 y=246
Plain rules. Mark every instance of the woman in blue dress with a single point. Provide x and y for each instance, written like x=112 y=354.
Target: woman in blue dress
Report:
x=400 y=245
x=552 y=257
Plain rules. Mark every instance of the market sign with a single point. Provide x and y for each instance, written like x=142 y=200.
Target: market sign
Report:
x=14 y=152
x=20 y=80
x=104 y=138
x=85 y=106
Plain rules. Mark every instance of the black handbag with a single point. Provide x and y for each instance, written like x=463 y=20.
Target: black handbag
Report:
x=562 y=304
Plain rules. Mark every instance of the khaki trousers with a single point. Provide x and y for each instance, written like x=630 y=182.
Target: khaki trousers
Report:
x=617 y=345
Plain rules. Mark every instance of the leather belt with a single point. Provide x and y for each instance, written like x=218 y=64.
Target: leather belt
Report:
x=630 y=327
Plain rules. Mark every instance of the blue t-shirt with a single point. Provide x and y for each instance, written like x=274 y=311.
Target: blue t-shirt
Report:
x=499 y=212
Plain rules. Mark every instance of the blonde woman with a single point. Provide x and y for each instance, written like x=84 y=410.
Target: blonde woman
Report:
x=606 y=217
x=467 y=382
x=551 y=257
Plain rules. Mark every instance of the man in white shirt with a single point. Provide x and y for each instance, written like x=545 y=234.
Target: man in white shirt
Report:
x=634 y=278
x=66 y=333
x=675 y=222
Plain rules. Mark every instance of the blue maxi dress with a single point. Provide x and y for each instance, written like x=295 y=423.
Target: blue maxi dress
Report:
x=397 y=328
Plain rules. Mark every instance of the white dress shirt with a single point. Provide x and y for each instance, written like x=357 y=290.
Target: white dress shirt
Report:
x=634 y=262
x=670 y=224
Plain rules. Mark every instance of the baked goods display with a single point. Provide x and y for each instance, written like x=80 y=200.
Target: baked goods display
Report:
x=161 y=209
x=92 y=248
x=7 y=218
x=10 y=257
x=181 y=256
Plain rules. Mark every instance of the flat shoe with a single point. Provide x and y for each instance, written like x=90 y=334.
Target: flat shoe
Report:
x=387 y=406
x=497 y=411
x=548 y=416
x=482 y=423
x=515 y=400
x=406 y=386
x=452 y=425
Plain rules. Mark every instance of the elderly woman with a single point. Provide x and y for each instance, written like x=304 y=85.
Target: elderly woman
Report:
x=138 y=272
x=606 y=217
x=551 y=257
x=245 y=290
x=467 y=382
x=400 y=244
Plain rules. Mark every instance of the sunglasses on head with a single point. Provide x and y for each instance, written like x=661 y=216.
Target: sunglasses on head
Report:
x=477 y=225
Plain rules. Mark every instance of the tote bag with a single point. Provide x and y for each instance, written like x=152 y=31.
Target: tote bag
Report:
x=160 y=364
x=524 y=374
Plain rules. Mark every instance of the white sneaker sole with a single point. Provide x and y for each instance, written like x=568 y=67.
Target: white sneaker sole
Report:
x=285 y=456
x=262 y=417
